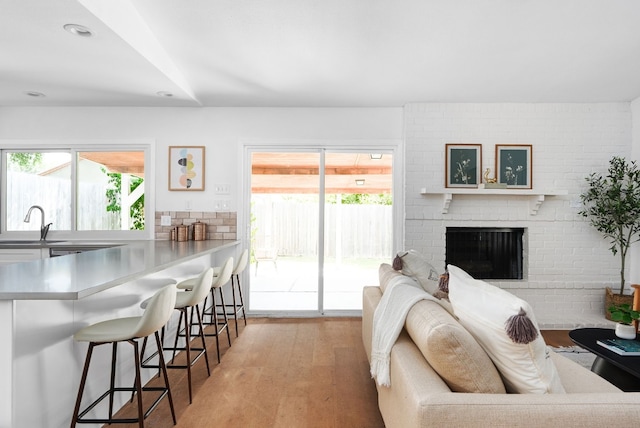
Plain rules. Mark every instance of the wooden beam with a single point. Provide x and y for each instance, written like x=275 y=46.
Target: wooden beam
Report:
x=301 y=190
x=262 y=170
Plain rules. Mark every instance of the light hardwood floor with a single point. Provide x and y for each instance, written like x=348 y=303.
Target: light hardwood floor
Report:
x=279 y=373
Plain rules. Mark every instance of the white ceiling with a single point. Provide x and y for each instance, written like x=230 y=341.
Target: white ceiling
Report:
x=318 y=53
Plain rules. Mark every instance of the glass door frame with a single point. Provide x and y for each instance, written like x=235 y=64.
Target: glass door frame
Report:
x=393 y=147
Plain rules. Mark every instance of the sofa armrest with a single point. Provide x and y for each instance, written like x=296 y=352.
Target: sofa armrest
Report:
x=577 y=379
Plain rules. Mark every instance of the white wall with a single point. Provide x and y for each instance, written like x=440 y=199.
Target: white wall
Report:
x=221 y=130
x=568 y=262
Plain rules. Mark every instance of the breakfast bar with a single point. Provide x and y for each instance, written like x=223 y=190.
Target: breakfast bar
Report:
x=44 y=302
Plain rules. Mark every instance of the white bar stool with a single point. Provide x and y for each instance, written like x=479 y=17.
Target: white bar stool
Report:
x=235 y=284
x=128 y=329
x=218 y=281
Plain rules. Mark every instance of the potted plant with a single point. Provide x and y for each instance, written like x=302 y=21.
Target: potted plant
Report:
x=612 y=205
x=624 y=315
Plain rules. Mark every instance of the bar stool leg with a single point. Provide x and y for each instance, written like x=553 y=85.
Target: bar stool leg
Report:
x=204 y=344
x=114 y=354
x=244 y=314
x=163 y=365
x=83 y=381
x=138 y=383
x=224 y=314
x=215 y=323
x=235 y=307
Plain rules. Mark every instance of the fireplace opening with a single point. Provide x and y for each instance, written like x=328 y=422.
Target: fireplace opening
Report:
x=486 y=253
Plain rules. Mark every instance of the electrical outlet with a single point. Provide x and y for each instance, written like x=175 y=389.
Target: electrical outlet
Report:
x=222 y=189
x=187 y=204
x=165 y=220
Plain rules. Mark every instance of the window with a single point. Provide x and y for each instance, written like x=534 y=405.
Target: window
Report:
x=78 y=190
x=110 y=190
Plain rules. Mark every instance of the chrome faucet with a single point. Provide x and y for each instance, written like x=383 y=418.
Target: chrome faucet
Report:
x=43 y=229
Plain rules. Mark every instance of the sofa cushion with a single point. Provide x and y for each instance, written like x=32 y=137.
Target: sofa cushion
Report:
x=484 y=310
x=417 y=267
x=451 y=350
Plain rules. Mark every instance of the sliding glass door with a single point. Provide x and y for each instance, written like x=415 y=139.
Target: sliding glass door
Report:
x=321 y=223
x=285 y=211
x=358 y=225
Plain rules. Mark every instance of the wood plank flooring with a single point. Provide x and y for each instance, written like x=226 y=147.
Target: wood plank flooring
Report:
x=279 y=373
x=290 y=373
x=557 y=338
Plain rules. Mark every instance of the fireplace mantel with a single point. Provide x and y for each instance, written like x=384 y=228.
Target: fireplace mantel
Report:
x=536 y=197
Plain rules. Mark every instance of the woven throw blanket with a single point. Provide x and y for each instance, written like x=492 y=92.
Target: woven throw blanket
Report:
x=388 y=319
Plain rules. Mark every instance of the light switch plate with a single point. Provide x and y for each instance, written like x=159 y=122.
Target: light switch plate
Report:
x=165 y=220
x=222 y=189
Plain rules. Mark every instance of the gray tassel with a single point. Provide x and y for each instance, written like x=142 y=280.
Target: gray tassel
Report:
x=520 y=328
x=443 y=283
x=397 y=263
x=441 y=295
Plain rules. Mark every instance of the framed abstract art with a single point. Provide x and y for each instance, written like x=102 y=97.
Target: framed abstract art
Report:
x=186 y=168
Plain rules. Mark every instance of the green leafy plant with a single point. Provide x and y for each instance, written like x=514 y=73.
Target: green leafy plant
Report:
x=27 y=162
x=612 y=205
x=623 y=313
x=114 y=196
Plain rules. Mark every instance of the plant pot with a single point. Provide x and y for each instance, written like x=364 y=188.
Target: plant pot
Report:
x=626 y=331
x=610 y=298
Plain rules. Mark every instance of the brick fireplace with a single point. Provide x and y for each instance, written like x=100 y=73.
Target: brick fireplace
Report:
x=565 y=263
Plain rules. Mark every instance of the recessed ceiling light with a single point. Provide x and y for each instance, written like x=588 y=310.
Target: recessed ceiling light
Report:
x=164 y=94
x=78 y=30
x=34 y=94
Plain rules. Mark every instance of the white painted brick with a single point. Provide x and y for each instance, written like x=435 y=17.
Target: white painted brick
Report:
x=567 y=259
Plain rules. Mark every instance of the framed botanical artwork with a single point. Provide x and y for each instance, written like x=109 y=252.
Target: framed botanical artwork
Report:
x=186 y=168
x=513 y=165
x=463 y=163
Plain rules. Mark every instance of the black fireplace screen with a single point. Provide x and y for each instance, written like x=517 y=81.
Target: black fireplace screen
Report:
x=486 y=253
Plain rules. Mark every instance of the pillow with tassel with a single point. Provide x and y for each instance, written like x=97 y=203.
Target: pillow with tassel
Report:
x=504 y=325
x=413 y=264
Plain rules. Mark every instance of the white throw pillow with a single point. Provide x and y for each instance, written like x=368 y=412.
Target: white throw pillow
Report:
x=417 y=267
x=484 y=310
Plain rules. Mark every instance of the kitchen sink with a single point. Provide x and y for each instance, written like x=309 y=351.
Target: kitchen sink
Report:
x=27 y=242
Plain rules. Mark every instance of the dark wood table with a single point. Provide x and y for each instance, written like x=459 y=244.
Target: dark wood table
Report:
x=622 y=371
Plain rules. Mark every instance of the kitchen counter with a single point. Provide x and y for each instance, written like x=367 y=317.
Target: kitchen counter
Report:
x=76 y=276
x=44 y=302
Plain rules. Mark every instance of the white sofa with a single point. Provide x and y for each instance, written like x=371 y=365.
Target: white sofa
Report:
x=419 y=397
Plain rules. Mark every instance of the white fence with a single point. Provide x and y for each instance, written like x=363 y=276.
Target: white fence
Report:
x=351 y=231
x=53 y=194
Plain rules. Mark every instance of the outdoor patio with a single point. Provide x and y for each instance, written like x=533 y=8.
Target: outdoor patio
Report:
x=291 y=283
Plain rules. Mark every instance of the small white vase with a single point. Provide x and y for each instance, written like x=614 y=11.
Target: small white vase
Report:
x=625 y=331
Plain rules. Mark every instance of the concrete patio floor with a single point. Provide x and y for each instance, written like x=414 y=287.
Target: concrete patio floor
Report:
x=291 y=284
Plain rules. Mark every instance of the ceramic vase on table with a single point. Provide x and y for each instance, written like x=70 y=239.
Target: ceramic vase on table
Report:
x=626 y=331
